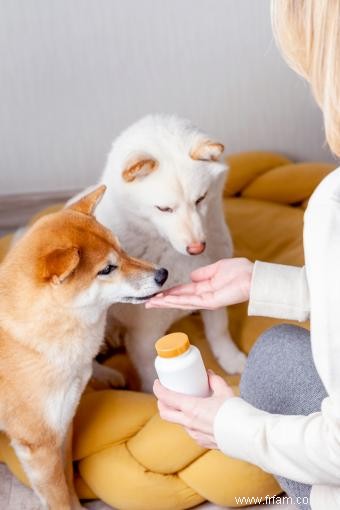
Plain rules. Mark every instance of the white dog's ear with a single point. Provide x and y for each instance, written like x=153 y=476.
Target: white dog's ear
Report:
x=207 y=150
x=139 y=166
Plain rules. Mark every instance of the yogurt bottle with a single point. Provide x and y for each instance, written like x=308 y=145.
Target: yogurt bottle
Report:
x=180 y=367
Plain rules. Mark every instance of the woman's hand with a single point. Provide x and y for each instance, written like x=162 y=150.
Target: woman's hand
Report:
x=224 y=283
x=197 y=415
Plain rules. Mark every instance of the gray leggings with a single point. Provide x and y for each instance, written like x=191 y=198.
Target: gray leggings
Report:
x=280 y=377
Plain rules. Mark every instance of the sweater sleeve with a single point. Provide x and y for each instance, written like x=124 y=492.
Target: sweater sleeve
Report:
x=302 y=448
x=279 y=291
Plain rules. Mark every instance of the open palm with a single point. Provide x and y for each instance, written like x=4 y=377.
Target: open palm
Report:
x=223 y=283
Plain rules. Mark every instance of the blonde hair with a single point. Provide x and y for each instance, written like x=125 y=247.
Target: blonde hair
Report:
x=308 y=33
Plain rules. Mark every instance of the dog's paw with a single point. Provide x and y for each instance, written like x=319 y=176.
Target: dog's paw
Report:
x=78 y=506
x=231 y=359
x=97 y=505
x=75 y=503
x=104 y=377
x=234 y=364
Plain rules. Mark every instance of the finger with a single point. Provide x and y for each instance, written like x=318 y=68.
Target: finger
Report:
x=172 y=398
x=155 y=304
x=204 y=440
x=190 y=300
x=204 y=273
x=171 y=414
x=193 y=289
x=163 y=304
x=151 y=305
x=206 y=301
x=188 y=288
x=185 y=302
x=218 y=385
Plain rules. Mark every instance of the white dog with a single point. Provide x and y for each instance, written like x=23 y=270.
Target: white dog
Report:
x=164 y=201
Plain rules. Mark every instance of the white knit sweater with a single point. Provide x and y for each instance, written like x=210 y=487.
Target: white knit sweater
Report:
x=302 y=448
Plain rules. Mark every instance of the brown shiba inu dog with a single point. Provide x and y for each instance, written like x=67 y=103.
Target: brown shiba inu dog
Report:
x=55 y=287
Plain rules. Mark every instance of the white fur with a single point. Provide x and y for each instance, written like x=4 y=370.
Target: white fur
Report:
x=60 y=405
x=24 y=455
x=129 y=210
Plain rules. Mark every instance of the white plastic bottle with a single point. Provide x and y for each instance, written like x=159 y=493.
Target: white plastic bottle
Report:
x=180 y=367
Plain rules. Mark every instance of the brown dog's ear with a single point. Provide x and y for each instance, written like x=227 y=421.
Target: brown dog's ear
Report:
x=139 y=166
x=59 y=264
x=89 y=202
x=207 y=151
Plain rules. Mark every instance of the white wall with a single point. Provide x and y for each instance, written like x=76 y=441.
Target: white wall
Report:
x=73 y=73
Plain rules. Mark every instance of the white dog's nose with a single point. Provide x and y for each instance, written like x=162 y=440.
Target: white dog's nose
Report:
x=196 y=248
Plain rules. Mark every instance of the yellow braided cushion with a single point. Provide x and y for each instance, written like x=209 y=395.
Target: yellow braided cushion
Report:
x=126 y=455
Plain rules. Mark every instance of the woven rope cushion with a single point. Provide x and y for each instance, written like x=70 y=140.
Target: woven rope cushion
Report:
x=125 y=454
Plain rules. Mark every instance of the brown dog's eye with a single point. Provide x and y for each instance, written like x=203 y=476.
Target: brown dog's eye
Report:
x=164 y=209
x=107 y=269
x=199 y=200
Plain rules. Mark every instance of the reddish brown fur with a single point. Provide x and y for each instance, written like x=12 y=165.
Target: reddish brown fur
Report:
x=68 y=245
x=200 y=152
x=146 y=165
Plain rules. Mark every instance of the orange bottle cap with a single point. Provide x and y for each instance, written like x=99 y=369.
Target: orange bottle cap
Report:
x=172 y=345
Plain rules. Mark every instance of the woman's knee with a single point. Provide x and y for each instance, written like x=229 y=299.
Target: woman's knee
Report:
x=297 y=493
x=280 y=376
x=273 y=353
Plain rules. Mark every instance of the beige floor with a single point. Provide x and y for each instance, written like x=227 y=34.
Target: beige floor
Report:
x=14 y=496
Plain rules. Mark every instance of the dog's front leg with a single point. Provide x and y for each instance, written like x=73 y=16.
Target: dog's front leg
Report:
x=231 y=359
x=68 y=461
x=44 y=467
x=140 y=347
x=107 y=377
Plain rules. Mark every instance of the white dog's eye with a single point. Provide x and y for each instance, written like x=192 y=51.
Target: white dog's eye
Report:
x=164 y=209
x=200 y=199
x=107 y=269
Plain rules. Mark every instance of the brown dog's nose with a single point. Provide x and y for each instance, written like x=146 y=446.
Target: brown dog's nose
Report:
x=196 y=248
x=161 y=276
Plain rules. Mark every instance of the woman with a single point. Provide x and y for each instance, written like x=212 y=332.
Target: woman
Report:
x=287 y=419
